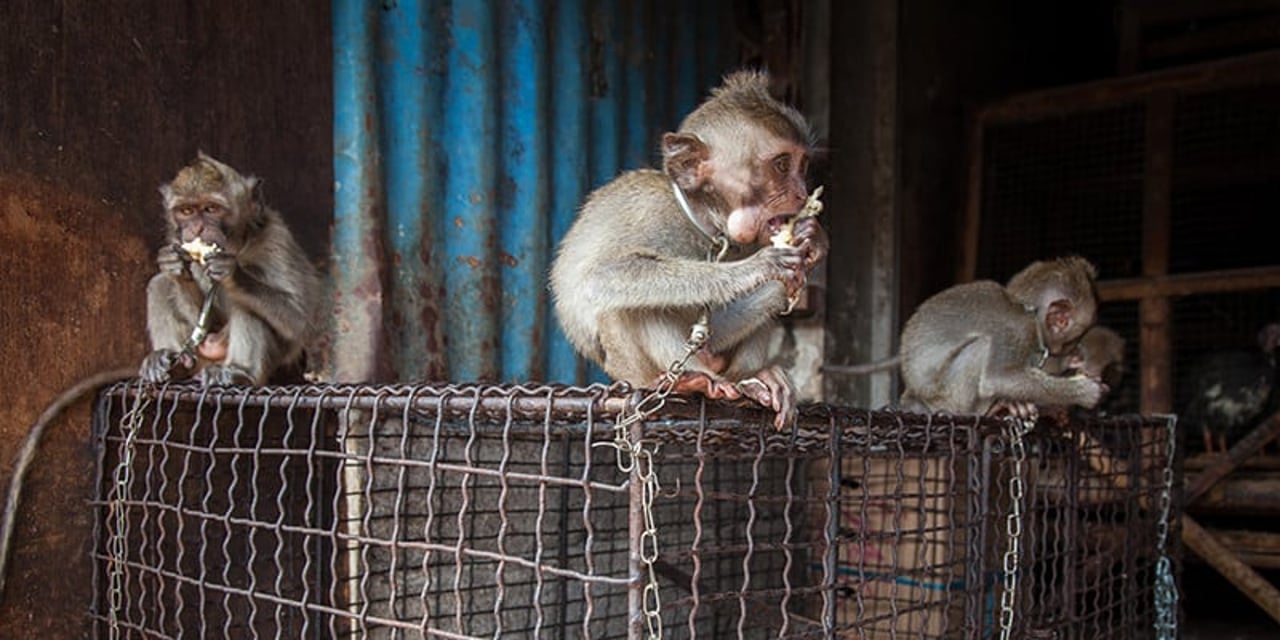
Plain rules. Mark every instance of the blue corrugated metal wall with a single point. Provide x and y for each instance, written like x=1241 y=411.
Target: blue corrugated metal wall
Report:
x=466 y=134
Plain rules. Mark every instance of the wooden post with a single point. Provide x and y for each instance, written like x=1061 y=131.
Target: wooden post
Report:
x=1154 y=311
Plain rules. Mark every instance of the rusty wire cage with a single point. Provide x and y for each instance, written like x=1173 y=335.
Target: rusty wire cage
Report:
x=501 y=511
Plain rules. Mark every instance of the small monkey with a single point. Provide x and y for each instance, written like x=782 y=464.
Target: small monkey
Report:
x=223 y=242
x=218 y=231
x=981 y=348
x=1099 y=354
x=644 y=259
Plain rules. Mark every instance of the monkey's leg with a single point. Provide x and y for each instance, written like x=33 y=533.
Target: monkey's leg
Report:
x=640 y=345
x=173 y=304
x=252 y=352
x=1208 y=439
x=744 y=317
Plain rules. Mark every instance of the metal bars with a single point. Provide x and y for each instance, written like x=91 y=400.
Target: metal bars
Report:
x=492 y=511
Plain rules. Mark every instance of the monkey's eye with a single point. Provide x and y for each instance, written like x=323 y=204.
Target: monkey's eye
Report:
x=782 y=164
x=184 y=212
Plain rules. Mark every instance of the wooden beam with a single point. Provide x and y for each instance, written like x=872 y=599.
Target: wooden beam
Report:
x=1252 y=585
x=1241 y=70
x=1239 y=452
x=1189 y=284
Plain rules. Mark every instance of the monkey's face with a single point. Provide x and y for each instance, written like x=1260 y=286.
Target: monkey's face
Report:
x=211 y=202
x=202 y=219
x=768 y=188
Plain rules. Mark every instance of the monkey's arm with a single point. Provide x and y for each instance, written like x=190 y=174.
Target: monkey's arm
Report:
x=733 y=323
x=277 y=295
x=1036 y=386
x=652 y=281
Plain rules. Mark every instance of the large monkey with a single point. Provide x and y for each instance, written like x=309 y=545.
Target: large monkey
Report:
x=638 y=267
x=981 y=348
x=224 y=242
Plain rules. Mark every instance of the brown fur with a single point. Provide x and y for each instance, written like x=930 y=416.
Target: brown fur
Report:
x=632 y=274
x=265 y=309
x=974 y=347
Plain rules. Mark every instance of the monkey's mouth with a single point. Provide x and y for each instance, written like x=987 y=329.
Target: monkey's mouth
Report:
x=780 y=229
x=776 y=223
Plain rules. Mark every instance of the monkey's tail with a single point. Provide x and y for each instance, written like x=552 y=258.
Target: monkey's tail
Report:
x=888 y=364
x=27 y=452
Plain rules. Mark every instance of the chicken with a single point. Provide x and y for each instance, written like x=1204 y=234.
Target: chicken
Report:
x=1227 y=392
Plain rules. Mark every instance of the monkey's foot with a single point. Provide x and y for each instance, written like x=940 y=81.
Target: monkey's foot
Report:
x=223 y=375
x=772 y=388
x=1022 y=410
x=707 y=385
x=159 y=365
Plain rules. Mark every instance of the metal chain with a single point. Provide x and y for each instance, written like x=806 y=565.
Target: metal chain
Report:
x=1166 y=593
x=1013 y=524
x=633 y=456
x=130 y=424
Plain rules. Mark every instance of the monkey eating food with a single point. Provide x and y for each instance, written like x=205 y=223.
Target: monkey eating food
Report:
x=981 y=347
x=652 y=251
x=228 y=261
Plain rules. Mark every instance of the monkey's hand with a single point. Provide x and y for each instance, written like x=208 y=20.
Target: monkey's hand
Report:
x=159 y=365
x=811 y=239
x=772 y=388
x=220 y=266
x=173 y=261
x=783 y=264
x=1017 y=409
x=1088 y=390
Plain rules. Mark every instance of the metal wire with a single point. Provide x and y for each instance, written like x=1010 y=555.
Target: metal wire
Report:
x=484 y=511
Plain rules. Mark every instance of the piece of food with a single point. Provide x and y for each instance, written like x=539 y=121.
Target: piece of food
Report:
x=199 y=250
x=786 y=233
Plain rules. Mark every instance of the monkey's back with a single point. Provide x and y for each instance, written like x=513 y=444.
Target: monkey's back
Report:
x=954 y=333
x=623 y=223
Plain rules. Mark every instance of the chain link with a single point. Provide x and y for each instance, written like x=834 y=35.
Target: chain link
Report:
x=1166 y=593
x=130 y=424
x=635 y=459
x=1013 y=524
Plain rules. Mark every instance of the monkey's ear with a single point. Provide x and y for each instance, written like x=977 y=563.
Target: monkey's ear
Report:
x=1057 y=319
x=684 y=158
x=256 y=195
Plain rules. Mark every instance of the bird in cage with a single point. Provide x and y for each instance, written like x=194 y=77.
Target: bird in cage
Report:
x=1227 y=392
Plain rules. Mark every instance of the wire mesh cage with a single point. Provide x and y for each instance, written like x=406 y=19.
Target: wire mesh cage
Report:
x=469 y=511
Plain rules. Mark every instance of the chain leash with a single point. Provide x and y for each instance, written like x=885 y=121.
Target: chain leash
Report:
x=633 y=457
x=1013 y=524
x=1166 y=592
x=122 y=476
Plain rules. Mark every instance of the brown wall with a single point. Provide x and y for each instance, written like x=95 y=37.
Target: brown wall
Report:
x=100 y=104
